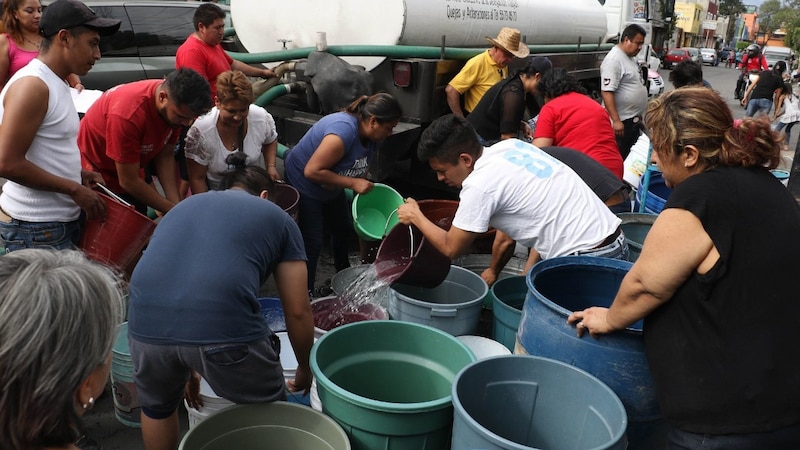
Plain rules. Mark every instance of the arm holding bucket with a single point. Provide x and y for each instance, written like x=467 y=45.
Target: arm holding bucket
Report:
x=132 y=183
x=290 y=279
x=25 y=106
x=318 y=169
x=660 y=270
x=450 y=243
x=502 y=251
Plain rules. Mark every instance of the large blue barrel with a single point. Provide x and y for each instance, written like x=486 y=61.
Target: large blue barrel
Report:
x=559 y=286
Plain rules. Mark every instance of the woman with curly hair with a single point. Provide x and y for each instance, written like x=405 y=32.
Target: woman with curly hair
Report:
x=713 y=282
x=570 y=118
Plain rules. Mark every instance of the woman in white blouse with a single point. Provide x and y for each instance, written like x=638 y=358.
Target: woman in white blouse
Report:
x=235 y=133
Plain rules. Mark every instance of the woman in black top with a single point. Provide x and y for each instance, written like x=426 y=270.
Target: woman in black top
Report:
x=713 y=282
x=764 y=90
x=500 y=112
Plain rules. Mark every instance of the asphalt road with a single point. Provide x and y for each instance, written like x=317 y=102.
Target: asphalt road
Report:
x=103 y=427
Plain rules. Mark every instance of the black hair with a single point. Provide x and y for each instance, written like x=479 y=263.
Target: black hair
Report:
x=686 y=73
x=206 y=14
x=558 y=82
x=446 y=138
x=188 y=88
x=631 y=31
x=253 y=179
x=382 y=106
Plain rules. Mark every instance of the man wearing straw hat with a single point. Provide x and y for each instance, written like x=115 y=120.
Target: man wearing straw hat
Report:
x=42 y=201
x=484 y=70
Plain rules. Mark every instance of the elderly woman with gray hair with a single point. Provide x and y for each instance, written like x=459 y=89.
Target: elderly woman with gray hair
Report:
x=59 y=313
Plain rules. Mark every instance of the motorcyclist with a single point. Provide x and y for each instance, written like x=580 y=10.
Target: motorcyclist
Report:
x=752 y=61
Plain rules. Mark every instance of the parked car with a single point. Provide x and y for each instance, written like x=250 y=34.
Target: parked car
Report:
x=655 y=83
x=674 y=56
x=723 y=54
x=148 y=38
x=709 y=56
x=695 y=53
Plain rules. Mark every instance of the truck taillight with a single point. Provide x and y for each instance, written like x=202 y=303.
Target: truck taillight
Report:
x=401 y=72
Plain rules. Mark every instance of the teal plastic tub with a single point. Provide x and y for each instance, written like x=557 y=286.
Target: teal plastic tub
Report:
x=526 y=402
x=388 y=383
x=375 y=213
x=508 y=297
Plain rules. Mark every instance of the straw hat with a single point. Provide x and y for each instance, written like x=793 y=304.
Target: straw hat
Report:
x=509 y=39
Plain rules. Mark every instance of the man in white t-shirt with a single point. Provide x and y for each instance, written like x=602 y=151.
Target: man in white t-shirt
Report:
x=42 y=201
x=514 y=187
x=623 y=90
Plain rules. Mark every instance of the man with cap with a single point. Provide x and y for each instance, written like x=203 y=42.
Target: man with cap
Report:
x=484 y=70
x=623 y=90
x=42 y=201
x=500 y=112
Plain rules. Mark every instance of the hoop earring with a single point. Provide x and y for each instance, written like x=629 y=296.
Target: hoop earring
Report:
x=89 y=404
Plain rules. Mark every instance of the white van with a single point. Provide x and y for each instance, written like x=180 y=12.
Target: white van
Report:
x=774 y=54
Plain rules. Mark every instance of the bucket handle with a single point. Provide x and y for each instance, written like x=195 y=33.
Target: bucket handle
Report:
x=439 y=312
x=388 y=218
x=116 y=197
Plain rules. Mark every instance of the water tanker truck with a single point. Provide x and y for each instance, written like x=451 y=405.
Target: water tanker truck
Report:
x=327 y=52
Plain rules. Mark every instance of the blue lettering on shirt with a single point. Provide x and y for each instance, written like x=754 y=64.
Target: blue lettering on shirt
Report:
x=534 y=162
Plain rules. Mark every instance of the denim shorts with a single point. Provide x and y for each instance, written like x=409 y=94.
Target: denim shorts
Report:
x=239 y=372
x=19 y=234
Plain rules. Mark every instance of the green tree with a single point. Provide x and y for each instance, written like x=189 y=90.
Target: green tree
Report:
x=768 y=16
x=731 y=8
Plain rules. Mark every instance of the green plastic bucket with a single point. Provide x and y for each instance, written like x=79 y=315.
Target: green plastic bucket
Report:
x=127 y=408
x=526 y=402
x=375 y=213
x=388 y=383
x=508 y=297
x=266 y=426
x=636 y=226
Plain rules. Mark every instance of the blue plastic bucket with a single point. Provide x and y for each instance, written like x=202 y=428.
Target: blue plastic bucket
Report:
x=657 y=194
x=127 y=408
x=559 y=286
x=388 y=383
x=272 y=310
x=508 y=296
x=526 y=402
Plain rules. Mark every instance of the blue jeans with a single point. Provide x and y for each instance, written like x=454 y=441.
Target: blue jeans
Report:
x=618 y=249
x=18 y=234
x=757 y=105
x=780 y=125
x=782 y=439
x=313 y=216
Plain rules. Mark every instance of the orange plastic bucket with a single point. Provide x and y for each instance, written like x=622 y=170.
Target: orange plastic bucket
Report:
x=119 y=240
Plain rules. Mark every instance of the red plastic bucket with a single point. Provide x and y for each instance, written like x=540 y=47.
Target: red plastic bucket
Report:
x=405 y=256
x=119 y=240
x=442 y=212
x=287 y=197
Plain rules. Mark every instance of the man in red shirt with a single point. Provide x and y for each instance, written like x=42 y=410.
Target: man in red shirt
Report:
x=203 y=52
x=135 y=123
x=752 y=61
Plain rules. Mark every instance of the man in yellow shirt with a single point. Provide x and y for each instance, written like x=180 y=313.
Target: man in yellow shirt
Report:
x=484 y=70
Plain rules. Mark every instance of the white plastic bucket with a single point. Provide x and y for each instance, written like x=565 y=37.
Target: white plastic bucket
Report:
x=212 y=403
x=483 y=347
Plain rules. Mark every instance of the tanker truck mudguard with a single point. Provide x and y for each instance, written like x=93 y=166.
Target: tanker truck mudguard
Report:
x=408 y=48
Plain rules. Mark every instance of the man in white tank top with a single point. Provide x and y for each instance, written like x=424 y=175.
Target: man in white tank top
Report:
x=46 y=189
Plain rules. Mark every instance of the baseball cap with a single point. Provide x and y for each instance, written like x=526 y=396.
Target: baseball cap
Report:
x=65 y=14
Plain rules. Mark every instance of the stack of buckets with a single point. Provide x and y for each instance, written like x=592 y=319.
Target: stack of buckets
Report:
x=126 y=399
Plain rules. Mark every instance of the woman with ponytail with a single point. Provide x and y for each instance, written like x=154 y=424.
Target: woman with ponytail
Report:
x=334 y=155
x=713 y=282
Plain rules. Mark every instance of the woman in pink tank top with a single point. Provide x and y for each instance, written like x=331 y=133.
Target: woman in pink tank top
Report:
x=21 y=41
